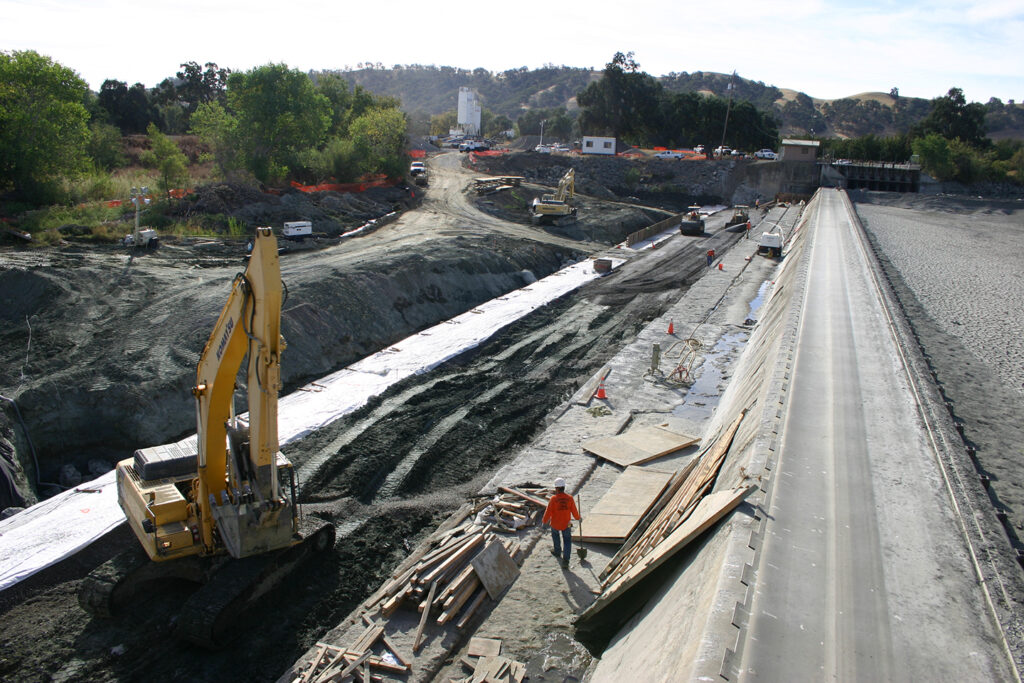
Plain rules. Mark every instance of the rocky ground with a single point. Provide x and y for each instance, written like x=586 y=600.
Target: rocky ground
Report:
x=98 y=348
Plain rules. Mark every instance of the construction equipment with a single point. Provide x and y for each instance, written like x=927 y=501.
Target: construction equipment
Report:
x=770 y=244
x=740 y=215
x=556 y=208
x=222 y=513
x=692 y=224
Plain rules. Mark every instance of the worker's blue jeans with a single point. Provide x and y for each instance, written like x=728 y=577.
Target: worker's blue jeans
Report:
x=563 y=542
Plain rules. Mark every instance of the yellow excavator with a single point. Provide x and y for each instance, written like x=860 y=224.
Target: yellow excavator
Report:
x=556 y=208
x=220 y=511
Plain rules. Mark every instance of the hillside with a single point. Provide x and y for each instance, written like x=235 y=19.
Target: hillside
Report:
x=429 y=90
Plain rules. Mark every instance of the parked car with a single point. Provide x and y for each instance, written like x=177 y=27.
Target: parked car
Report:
x=737 y=153
x=543 y=149
x=417 y=167
x=843 y=162
x=723 y=151
x=766 y=154
x=669 y=154
x=699 y=149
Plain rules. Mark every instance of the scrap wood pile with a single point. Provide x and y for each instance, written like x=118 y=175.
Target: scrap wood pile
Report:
x=681 y=513
x=372 y=650
x=486 y=665
x=469 y=562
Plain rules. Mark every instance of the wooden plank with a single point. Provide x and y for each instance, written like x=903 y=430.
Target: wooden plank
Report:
x=368 y=638
x=638 y=445
x=418 y=640
x=525 y=496
x=590 y=388
x=711 y=509
x=457 y=558
x=496 y=569
x=468 y=614
x=480 y=646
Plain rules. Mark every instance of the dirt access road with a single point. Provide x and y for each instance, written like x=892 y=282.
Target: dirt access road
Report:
x=114 y=343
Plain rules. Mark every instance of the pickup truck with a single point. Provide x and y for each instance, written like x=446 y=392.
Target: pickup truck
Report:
x=723 y=151
x=669 y=154
x=473 y=146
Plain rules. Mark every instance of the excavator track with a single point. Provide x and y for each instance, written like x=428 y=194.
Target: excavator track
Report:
x=117 y=581
x=207 y=618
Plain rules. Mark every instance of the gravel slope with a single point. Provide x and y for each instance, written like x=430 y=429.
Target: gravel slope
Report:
x=956 y=266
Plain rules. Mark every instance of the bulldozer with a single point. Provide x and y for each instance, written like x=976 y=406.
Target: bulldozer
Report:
x=556 y=208
x=220 y=511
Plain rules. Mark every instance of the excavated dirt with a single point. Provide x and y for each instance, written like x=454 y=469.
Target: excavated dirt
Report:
x=99 y=350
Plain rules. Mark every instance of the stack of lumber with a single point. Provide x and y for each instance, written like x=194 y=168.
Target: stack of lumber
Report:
x=486 y=665
x=469 y=563
x=681 y=513
x=334 y=664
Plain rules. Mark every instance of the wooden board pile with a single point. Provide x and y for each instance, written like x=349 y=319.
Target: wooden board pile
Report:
x=469 y=563
x=681 y=513
x=334 y=664
x=486 y=665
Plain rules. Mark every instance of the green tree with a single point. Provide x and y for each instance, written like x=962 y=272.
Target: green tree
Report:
x=127 y=108
x=43 y=122
x=169 y=161
x=379 y=136
x=623 y=103
x=201 y=86
x=216 y=128
x=935 y=155
x=953 y=118
x=105 y=146
x=440 y=124
x=279 y=114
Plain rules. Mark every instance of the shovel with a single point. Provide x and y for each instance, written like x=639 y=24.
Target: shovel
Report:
x=581 y=552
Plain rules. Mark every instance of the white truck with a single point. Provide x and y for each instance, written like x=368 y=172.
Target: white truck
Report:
x=297 y=230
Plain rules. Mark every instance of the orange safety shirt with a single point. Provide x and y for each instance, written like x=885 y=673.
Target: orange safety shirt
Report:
x=560 y=509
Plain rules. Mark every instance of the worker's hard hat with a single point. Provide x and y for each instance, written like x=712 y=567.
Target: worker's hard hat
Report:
x=559 y=483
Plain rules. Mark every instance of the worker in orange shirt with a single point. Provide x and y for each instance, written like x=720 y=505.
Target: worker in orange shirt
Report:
x=559 y=514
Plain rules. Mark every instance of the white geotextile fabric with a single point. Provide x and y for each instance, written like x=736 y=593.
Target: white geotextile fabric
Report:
x=61 y=526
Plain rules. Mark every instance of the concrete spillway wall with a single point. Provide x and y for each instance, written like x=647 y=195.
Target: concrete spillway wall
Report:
x=691 y=628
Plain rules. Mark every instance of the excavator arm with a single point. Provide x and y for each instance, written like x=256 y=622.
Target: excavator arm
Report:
x=238 y=490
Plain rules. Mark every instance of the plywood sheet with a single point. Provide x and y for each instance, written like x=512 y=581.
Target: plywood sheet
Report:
x=711 y=508
x=638 y=445
x=613 y=517
x=496 y=568
x=600 y=528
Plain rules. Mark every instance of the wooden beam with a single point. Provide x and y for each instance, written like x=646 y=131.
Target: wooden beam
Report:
x=418 y=640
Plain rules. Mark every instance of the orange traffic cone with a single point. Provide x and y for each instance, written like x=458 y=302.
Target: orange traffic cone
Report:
x=671 y=328
x=720 y=266
x=600 y=391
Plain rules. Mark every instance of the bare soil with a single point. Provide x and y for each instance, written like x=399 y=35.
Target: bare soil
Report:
x=99 y=349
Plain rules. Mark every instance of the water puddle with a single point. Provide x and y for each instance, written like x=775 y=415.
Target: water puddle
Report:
x=758 y=301
x=704 y=394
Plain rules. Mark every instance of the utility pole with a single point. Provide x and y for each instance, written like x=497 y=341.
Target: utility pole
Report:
x=728 y=107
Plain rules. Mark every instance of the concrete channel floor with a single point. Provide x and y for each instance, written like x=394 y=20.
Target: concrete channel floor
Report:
x=534 y=618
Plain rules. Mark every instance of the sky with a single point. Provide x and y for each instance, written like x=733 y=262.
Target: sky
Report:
x=825 y=48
